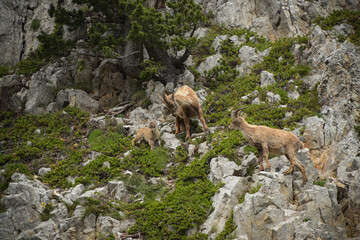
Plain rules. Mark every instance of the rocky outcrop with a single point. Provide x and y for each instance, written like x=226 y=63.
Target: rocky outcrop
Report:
x=25 y=203
x=273 y=19
x=17 y=35
x=95 y=86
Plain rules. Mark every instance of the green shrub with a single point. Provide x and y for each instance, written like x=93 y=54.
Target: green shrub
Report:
x=138 y=184
x=97 y=171
x=242 y=198
x=109 y=143
x=341 y=16
x=187 y=206
x=357 y=126
x=35 y=24
x=4 y=71
x=255 y=189
x=226 y=97
x=29 y=66
x=45 y=215
x=55 y=136
x=251 y=169
x=252 y=190
x=149 y=162
x=62 y=169
x=320 y=182
x=9 y=170
x=229 y=228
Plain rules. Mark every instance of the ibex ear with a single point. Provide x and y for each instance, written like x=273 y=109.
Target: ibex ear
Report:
x=244 y=115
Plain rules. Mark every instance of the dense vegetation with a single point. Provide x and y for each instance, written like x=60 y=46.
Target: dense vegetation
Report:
x=228 y=89
x=341 y=16
x=123 y=29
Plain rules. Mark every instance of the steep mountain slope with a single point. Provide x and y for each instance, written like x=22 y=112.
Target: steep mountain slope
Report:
x=68 y=170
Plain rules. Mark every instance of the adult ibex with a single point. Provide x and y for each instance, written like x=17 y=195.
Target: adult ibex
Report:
x=272 y=140
x=184 y=104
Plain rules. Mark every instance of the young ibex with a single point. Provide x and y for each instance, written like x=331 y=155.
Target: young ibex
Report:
x=184 y=104
x=150 y=134
x=272 y=140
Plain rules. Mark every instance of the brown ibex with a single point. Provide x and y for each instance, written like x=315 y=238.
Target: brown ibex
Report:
x=184 y=104
x=149 y=134
x=272 y=140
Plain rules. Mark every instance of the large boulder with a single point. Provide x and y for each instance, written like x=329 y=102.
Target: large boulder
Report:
x=109 y=85
x=24 y=201
x=222 y=170
x=77 y=98
x=10 y=85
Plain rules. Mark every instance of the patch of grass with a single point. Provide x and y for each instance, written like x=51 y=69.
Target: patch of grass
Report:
x=252 y=190
x=187 y=206
x=35 y=141
x=255 y=189
x=148 y=162
x=357 y=126
x=109 y=143
x=320 y=182
x=10 y=169
x=251 y=169
x=229 y=228
x=4 y=71
x=250 y=149
x=45 y=215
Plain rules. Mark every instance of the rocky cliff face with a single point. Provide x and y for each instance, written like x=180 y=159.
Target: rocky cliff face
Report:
x=280 y=208
x=18 y=37
x=273 y=19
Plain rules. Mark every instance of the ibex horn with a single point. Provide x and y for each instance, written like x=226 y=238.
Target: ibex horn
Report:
x=237 y=112
x=165 y=98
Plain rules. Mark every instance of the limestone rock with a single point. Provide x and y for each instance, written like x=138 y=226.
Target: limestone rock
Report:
x=80 y=99
x=170 y=140
x=267 y=78
x=209 y=63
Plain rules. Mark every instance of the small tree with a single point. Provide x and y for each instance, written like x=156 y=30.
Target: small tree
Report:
x=123 y=29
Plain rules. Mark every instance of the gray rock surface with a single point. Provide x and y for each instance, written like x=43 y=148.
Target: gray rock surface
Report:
x=266 y=79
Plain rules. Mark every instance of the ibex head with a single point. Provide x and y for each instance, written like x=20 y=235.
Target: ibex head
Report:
x=169 y=101
x=237 y=119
